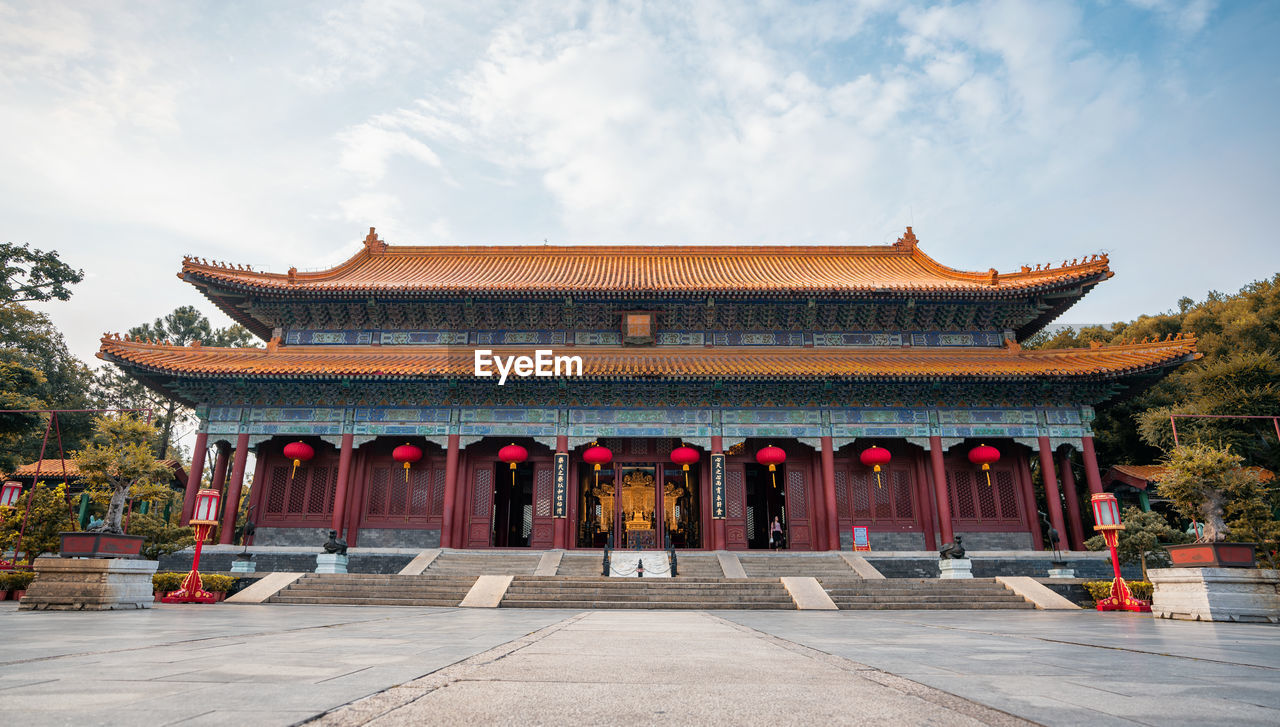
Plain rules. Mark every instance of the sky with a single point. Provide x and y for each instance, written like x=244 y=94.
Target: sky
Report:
x=275 y=134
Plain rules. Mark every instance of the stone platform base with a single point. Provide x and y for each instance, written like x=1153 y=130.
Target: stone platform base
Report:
x=955 y=568
x=90 y=584
x=1216 y=594
x=331 y=563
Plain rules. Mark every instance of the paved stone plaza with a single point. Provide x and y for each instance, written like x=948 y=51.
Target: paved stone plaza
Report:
x=264 y=665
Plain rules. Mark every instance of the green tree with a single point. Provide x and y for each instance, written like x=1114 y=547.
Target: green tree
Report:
x=182 y=327
x=49 y=517
x=15 y=381
x=29 y=339
x=28 y=275
x=120 y=461
x=1140 y=541
x=1238 y=335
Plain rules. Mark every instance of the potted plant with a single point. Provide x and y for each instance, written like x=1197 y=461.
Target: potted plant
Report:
x=100 y=569
x=1213 y=579
x=117 y=465
x=1208 y=485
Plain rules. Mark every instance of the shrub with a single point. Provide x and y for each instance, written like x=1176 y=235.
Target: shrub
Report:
x=165 y=582
x=16 y=580
x=213 y=582
x=1099 y=590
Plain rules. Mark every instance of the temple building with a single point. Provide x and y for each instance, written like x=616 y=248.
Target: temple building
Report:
x=774 y=371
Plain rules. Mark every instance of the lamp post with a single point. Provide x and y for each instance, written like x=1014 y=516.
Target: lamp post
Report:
x=204 y=516
x=1106 y=520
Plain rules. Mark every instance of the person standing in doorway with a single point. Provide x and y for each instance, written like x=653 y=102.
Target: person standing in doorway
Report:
x=775 y=533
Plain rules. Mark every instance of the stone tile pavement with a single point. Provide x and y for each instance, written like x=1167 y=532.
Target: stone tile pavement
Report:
x=277 y=665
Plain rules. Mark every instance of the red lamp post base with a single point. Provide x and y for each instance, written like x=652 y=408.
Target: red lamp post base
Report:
x=192 y=590
x=1121 y=600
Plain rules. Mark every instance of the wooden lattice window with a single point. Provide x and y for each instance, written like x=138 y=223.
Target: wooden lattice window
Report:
x=542 y=491
x=391 y=497
x=735 y=487
x=795 y=493
x=482 y=493
x=842 y=492
x=890 y=502
x=983 y=505
x=301 y=495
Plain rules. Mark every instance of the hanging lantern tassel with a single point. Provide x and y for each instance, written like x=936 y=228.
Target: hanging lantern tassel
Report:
x=686 y=477
x=773 y=468
x=879 y=484
x=986 y=469
x=597 y=470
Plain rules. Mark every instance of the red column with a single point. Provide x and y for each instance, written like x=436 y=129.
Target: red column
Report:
x=450 y=492
x=925 y=510
x=194 y=476
x=720 y=538
x=258 y=489
x=231 y=505
x=344 y=482
x=1073 y=502
x=1091 y=474
x=940 y=498
x=1032 y=515
x=560 y=523
x=1052 y=495
x=219 y=466
x=355 y=495
x=829 y=494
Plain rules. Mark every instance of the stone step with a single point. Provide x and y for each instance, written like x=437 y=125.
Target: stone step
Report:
x=949 y=606
x=362 y=601
x=929 y=598
x=694 y=605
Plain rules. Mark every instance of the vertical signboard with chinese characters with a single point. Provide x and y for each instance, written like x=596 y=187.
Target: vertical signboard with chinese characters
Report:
x=717 y=486
x=561 y=495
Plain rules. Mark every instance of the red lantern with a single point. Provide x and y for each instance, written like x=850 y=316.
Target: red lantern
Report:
x=408 y=454
x=596 y=456
x=299 y=452
x=986 y=456
x=875 y=457
x=513 y=454
x=771 y=456
x=684 y=456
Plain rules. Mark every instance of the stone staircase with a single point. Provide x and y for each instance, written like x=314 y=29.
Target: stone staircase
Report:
x=484 y=563
x=691 y=565
x=645 y=593
x=367 y=589
x=778 y=565
x=921 y=594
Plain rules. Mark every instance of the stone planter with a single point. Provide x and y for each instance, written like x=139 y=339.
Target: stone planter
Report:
x=90 y=584
x=101 y=545
x=1212 y=555
x=1216 y=594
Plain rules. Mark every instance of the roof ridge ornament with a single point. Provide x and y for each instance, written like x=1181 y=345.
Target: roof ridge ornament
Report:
x=373 y=244
x=908 y=241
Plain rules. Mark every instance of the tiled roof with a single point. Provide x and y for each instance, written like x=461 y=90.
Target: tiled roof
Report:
x=382 y=362
x=52 y=468
x=624 y=270
x=1142 y=475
